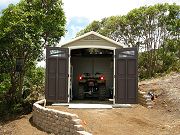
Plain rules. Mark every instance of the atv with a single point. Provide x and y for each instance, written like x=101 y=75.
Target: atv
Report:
x=92 y=86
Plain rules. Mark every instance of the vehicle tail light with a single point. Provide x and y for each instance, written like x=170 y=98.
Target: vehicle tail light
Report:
x=102 y=78
x=80 y=77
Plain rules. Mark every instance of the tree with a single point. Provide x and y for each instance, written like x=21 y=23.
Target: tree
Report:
x=148 y=28
x=25 y=29
x=94 y=26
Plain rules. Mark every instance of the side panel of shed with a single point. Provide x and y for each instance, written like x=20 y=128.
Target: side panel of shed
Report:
x=56 y=74
x=126 y=76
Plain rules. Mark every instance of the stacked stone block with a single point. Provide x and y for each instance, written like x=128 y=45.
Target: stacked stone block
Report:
x=144 y=99
x=57 y=122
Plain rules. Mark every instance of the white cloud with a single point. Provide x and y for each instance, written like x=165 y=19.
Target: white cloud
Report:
x=98 y=9
x=41 y=64
x=152 y=2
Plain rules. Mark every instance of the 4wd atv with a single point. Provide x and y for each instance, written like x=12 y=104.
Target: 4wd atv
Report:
x=92 y=86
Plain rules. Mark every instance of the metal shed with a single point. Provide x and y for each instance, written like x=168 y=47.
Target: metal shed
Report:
x=64 y=63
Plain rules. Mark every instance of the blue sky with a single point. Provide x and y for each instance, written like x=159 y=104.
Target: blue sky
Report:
x=74 y=25
x=80 y=13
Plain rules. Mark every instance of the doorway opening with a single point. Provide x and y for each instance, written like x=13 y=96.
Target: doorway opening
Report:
x=92 y=72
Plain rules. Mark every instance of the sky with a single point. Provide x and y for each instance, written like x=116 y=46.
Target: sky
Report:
x=80 y=13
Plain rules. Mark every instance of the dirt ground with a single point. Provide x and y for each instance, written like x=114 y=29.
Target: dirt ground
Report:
x=20 y=126
x=162 y=119
x=137 y=120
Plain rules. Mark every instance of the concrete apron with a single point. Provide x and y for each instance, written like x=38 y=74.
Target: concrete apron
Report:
x=92 y=106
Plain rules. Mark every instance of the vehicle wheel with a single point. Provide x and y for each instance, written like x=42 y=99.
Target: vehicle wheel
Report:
x=102 y=92
x=81 y=92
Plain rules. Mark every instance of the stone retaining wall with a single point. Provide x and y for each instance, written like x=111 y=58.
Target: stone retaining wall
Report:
x=144 y=99
x=57 y=122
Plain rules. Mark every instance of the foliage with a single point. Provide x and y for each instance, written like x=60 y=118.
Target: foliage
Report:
x=34 y=83
x=33 y=89
x=25 y=29
x=4 y=83
x=154 y=30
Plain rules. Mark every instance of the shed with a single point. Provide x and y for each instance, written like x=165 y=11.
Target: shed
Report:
x=91 y=53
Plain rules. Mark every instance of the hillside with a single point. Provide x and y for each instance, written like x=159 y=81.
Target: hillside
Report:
x=167 y=89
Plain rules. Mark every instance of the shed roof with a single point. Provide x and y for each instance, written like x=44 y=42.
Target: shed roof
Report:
x=92 y=40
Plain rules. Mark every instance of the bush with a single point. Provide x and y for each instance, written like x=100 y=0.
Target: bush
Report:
x=166 y=59
x=33 y=90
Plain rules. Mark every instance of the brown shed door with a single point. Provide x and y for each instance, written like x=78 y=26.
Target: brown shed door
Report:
x=56 y=74
x=126 y=78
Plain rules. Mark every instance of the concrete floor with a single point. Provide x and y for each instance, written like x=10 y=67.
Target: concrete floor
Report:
x=92 y=104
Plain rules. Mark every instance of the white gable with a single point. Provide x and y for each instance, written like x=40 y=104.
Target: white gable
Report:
x=92 y=40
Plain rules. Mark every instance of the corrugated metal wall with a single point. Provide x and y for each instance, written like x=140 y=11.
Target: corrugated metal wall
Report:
x=92 y=65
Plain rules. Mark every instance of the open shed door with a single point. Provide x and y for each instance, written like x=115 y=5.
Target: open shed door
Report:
x=56 y=74
x=126 y=77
